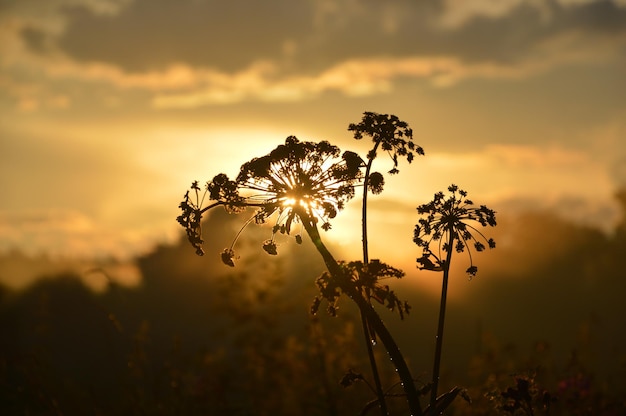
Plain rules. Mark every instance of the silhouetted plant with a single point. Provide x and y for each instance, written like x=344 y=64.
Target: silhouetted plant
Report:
x=526 y=397
x=393 y=136
x=448 y=223
x=295 y=179
x=302 y=186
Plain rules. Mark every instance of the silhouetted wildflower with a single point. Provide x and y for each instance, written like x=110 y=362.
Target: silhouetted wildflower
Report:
x=376 y=182
x=191 y=217
x=350 y=378
x=303 y=177
x=526 y=397
x=270 y=247
x=366 y=279
x=450 y=221
x=228 y=256
x=394 y=136
x=298 y=176
x=222 y=191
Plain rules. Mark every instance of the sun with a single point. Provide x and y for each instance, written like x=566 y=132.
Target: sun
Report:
x=305 y=203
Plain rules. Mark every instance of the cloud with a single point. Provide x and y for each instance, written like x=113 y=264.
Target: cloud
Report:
x=372 y=76
x=575 y=184
x=518 y=181
x=67 y=234
x=458 y=13
x=147 y=35
x=182 y=86
x=387 y=54
x=188 y=54
x=84 y=193
x=608 y=146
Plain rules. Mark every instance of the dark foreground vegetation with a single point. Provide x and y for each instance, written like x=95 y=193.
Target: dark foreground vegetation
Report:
x=197 y=338
x=544 y=337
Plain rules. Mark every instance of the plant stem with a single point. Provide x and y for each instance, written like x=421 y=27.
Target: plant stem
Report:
x=366 y=182
x=442 y=317
x=366 y=329
x=370 y=352
x=368 y=311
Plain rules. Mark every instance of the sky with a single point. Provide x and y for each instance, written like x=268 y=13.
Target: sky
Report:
x=109 y=109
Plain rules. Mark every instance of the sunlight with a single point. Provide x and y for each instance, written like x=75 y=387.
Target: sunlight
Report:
x=304 y=202
x=195 y=149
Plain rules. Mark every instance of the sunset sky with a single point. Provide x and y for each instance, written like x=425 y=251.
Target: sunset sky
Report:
x=109 y=109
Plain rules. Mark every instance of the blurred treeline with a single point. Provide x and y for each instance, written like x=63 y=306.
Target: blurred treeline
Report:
x=199 y=338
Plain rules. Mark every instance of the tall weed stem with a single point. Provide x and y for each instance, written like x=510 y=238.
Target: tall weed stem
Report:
x=368 y=311
x=440 y=325
x=369 y=337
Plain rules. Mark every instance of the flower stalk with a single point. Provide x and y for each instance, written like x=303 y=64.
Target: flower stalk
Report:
x=396 y=137
x=369 y=312
x=439 y=337
x=369 y=336
x=449 y=224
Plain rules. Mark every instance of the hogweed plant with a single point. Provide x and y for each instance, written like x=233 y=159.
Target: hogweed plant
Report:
x=395 y=137
x=300 y=186
x=450 y=224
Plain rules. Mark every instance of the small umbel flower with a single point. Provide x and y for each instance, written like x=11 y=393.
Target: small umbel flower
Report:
x=191 y=217
x=393 y=135
x=294 y=180
x=451 y=223
x=222 y=191
x=367 y=280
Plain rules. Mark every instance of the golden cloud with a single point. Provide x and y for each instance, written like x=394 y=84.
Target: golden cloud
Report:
x=63 y=234
x=543 y=177
x=30 y=77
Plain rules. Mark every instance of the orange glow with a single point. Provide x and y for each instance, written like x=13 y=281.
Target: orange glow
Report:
x=116 y=133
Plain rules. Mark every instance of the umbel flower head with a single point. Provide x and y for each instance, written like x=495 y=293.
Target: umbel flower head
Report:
x=451 y=223
x=296 y=181
x=222 y=191
x=303 y=177
x=393 y=135
x=366 y=279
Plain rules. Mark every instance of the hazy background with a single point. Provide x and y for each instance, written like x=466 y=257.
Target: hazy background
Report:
x=109 y=109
